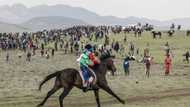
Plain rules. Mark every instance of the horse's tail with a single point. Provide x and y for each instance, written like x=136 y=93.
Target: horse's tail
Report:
x=47 y=78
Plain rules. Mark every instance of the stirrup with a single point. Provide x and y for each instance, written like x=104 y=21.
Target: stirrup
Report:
x=86 y=89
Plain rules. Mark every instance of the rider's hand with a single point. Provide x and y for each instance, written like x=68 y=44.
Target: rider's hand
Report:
x=97 y=60
x=91 y=64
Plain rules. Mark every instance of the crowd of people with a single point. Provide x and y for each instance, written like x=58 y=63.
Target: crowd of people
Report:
x=73 y=40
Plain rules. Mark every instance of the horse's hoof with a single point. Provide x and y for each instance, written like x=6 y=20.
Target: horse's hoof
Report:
x=123 y=102
x=39 y=105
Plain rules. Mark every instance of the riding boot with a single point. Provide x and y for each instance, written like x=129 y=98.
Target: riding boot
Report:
x=88 y=87
x=84 y=89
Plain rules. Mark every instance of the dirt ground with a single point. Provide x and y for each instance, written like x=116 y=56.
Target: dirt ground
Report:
x=19 y=82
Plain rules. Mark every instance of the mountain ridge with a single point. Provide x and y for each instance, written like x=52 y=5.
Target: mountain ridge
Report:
x=19 y=14
x=51 y=22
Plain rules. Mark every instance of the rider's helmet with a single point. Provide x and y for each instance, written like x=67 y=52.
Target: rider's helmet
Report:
x=89 y=47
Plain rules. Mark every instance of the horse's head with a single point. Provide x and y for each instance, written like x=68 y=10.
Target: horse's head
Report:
x=107 y=59
x=110 y=65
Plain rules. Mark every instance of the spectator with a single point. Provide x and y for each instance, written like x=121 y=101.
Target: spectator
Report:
x=126 y=66
x=187 y=56
x=28 y=58
x=7 y=57
x=52 y=52
x=47 y=55
x=167 y=64
x=148 y=62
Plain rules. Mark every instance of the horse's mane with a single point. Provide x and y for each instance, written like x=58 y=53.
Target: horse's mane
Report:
x=105 y=55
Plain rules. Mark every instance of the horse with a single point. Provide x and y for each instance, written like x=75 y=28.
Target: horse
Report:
x=170 y=33
x=156 y=33
x=188 y=33
x=70 y=77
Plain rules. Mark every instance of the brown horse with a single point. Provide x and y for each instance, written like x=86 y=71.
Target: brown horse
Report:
x=69 y=78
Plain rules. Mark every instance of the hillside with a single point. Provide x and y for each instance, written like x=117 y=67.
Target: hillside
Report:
x=19 y=14
x=51 y=22
x=6 y=27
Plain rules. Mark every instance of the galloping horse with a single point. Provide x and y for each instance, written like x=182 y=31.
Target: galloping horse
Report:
x=69 y=78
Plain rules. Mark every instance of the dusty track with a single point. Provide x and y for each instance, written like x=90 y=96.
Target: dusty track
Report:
x=137 y=99
x=161 y=95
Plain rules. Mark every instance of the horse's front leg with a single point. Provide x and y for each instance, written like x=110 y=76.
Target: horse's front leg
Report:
x=96 y=93
x=109 y=91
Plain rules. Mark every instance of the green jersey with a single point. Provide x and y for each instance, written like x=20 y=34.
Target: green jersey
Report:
x=84 y=61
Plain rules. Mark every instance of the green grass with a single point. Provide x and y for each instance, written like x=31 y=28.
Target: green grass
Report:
x=19 y=79
x=179 y=45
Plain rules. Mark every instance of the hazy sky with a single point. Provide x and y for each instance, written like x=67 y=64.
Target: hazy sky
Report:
x=154 y=9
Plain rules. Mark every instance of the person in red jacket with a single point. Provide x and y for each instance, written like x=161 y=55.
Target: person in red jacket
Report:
x=93 y=58
x=167 y=64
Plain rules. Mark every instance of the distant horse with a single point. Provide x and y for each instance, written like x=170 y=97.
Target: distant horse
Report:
x=171 y=32
x=188 y=33
x=156 y=33
x=69 y=78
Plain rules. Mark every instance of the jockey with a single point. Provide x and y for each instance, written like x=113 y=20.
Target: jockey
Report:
x=87 y=60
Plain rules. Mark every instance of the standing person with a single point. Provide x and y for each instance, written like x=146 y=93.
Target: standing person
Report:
x=42 y=46
x=34 y=50
x=76 y=46
x=147 y=51
x=148 y=62
x=52 y=52
x=125 y=39
x=55 y=46
x=71 y=46
x=47 y=54
x=66 y=47
x=187 y=56
x=7 y=57
x=126 y=66
x=167 y=48
x=42 y=49
x=28 y=56
x=42 y=52
x=167 y=64
x=131 y=48
x=116 y=47
x=61 y=45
